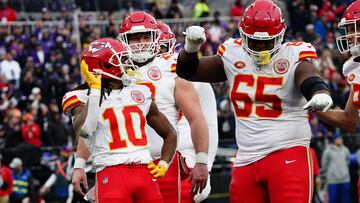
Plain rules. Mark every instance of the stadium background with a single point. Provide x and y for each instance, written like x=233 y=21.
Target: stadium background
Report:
x=40 y=45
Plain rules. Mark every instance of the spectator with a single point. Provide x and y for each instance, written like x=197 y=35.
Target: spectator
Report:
x=12 y=126
x=31 y=131
x=201 y=9
x=216 y=31
x=22 y=181
x=322 y=26
x=318 y=129
x=327 y=11
x=57 y=183
x=226 y=120
x=57 y=132
x=334 y=162
x=10 y=68
x=299 y=24
x=35 y=98
x=6 y=14
x=6 y=182
x=237 y=10
x=310 y=34
x=174 y=10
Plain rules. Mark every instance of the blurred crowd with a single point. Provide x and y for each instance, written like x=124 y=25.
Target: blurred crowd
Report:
x=39 y=65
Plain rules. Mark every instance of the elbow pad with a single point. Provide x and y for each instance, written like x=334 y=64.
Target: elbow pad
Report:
x=90 y=123
x=312 y=84
x=187 y=69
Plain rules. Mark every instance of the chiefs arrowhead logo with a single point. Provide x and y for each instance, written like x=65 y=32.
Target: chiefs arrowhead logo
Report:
x=351 y=77
x=281 y=66
x=154 y=73
x=240 y=64
x=97 y=46
x=137 y=96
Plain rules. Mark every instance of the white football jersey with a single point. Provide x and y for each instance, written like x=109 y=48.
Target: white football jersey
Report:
x=73 y=99
x=208 y=106
x=121 y=135
x=266 y=101
x=159 y=75
x=351 y=70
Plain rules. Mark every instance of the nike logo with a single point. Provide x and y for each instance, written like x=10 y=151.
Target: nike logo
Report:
x=153 y=179
x=289 y=162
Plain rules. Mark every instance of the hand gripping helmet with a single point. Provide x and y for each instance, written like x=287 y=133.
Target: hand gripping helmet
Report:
x=140 y=22
x=262 y=21
x=109 y=58
x=167 y=38
x=350 y=22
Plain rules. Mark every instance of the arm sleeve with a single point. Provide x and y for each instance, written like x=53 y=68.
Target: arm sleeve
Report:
x=90 y=123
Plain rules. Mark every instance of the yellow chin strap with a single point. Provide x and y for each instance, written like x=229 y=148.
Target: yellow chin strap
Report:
x=135 y=74
x=264 y=57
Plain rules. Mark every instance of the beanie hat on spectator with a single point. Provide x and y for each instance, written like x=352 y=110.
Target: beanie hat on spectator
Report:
x=16 y=162
x=35 y=90
x=335 y=136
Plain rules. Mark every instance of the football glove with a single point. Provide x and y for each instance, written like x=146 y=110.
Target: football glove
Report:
x=195 y=36
x=319 y=101
x=159 y=170
x=94 y=81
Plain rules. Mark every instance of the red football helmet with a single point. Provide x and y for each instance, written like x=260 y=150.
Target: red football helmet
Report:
x=167 y=38
x=262 y=21
x=350 y=22
x=109 y=58
x=140 y=22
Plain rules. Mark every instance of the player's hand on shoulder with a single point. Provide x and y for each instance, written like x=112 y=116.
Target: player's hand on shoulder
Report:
x=195 y=36
x=159 y=170
x=320 y=101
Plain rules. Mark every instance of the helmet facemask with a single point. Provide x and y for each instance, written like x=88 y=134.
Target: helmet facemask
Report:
x=168 y=45
x=351 y=40
x=128 y=70
x=262 y=57
x=141 y=51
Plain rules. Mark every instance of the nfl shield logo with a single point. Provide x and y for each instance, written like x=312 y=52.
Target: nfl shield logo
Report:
x=105 y=180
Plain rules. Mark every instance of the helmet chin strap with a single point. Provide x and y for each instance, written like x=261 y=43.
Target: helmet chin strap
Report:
x=264 y=57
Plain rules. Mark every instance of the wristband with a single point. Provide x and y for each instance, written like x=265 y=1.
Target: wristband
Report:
x=201 y=158
x=164 y=163
x=79 y=163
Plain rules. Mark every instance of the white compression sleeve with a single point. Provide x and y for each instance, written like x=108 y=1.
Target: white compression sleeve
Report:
x=90 y=123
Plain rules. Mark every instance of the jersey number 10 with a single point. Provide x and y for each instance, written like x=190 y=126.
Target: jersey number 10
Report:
x=127 y=112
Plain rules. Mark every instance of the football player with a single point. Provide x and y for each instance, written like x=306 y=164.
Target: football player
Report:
x=112 y=115
x=269 y=85
x=185 y=144
x=139 y=31
x=348 y=119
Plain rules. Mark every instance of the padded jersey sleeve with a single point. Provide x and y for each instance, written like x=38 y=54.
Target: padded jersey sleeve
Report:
x=73 y=99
